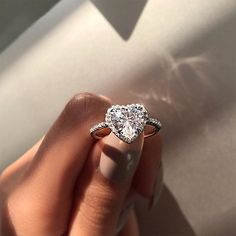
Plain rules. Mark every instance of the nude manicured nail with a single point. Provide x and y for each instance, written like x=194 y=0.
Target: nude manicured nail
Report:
x=157 y=188
x=118 y=159
x=123 y=217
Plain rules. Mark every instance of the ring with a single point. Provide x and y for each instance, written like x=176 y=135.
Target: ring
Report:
x=127 y=123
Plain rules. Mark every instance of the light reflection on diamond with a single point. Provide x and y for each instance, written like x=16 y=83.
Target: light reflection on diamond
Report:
x=127 y=122
x=128 y=130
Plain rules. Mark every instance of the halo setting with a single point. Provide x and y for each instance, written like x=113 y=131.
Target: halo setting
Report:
x=127 y=122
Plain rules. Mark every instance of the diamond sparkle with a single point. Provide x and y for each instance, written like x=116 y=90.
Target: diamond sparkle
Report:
x=127 y=122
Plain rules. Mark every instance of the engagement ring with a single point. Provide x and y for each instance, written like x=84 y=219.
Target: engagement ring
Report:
x=127 y=123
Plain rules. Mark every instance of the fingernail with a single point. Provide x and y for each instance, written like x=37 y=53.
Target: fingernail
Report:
x=123 y=217
x=157 y=189
x=119 y=160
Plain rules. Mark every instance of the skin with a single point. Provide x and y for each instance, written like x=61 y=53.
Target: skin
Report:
x=56 y=187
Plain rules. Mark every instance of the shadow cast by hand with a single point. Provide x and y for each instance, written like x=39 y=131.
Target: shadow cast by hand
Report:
x=166 y=219
x=123 y=15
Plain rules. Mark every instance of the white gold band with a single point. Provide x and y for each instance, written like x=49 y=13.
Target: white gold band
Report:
x=96 y=130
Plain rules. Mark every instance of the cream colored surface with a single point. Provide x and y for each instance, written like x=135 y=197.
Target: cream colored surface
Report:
x=177 y=57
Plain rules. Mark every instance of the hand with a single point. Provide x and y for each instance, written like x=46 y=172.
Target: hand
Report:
x=70 y=184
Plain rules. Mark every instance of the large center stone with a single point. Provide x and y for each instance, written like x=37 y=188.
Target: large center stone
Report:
x=127 y=122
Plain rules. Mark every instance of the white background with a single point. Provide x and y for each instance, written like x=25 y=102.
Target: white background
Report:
x=176 y=57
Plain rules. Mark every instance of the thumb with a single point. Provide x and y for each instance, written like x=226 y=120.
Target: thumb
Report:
x=103 y=186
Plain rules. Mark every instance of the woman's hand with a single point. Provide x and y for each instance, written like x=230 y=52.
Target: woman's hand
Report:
x=70 y=184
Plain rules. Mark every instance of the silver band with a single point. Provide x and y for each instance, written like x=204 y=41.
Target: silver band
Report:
x=156 y=124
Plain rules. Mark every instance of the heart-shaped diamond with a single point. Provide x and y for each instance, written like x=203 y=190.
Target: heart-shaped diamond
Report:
x=127 y=122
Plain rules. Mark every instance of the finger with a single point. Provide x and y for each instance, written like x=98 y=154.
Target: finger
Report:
x=68 y=141
x=45 y=190
x=103 y=186
x=148 y=171
x=17 y=167
x=131 y=226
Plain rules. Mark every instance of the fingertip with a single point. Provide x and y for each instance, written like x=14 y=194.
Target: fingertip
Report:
x=148 y=168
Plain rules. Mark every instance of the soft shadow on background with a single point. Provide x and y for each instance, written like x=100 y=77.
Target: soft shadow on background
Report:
x=186 y=90
x=166 y=219
x=17 y=16
x=187 y=87
x=123 y=15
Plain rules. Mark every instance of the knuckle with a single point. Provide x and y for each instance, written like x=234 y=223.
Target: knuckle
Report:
x=102 y=198
x=100 y=205
x=85 y=105
x=81 y=102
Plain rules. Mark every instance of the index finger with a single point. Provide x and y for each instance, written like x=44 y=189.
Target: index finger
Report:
x=65 y=147
x=45 y=189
